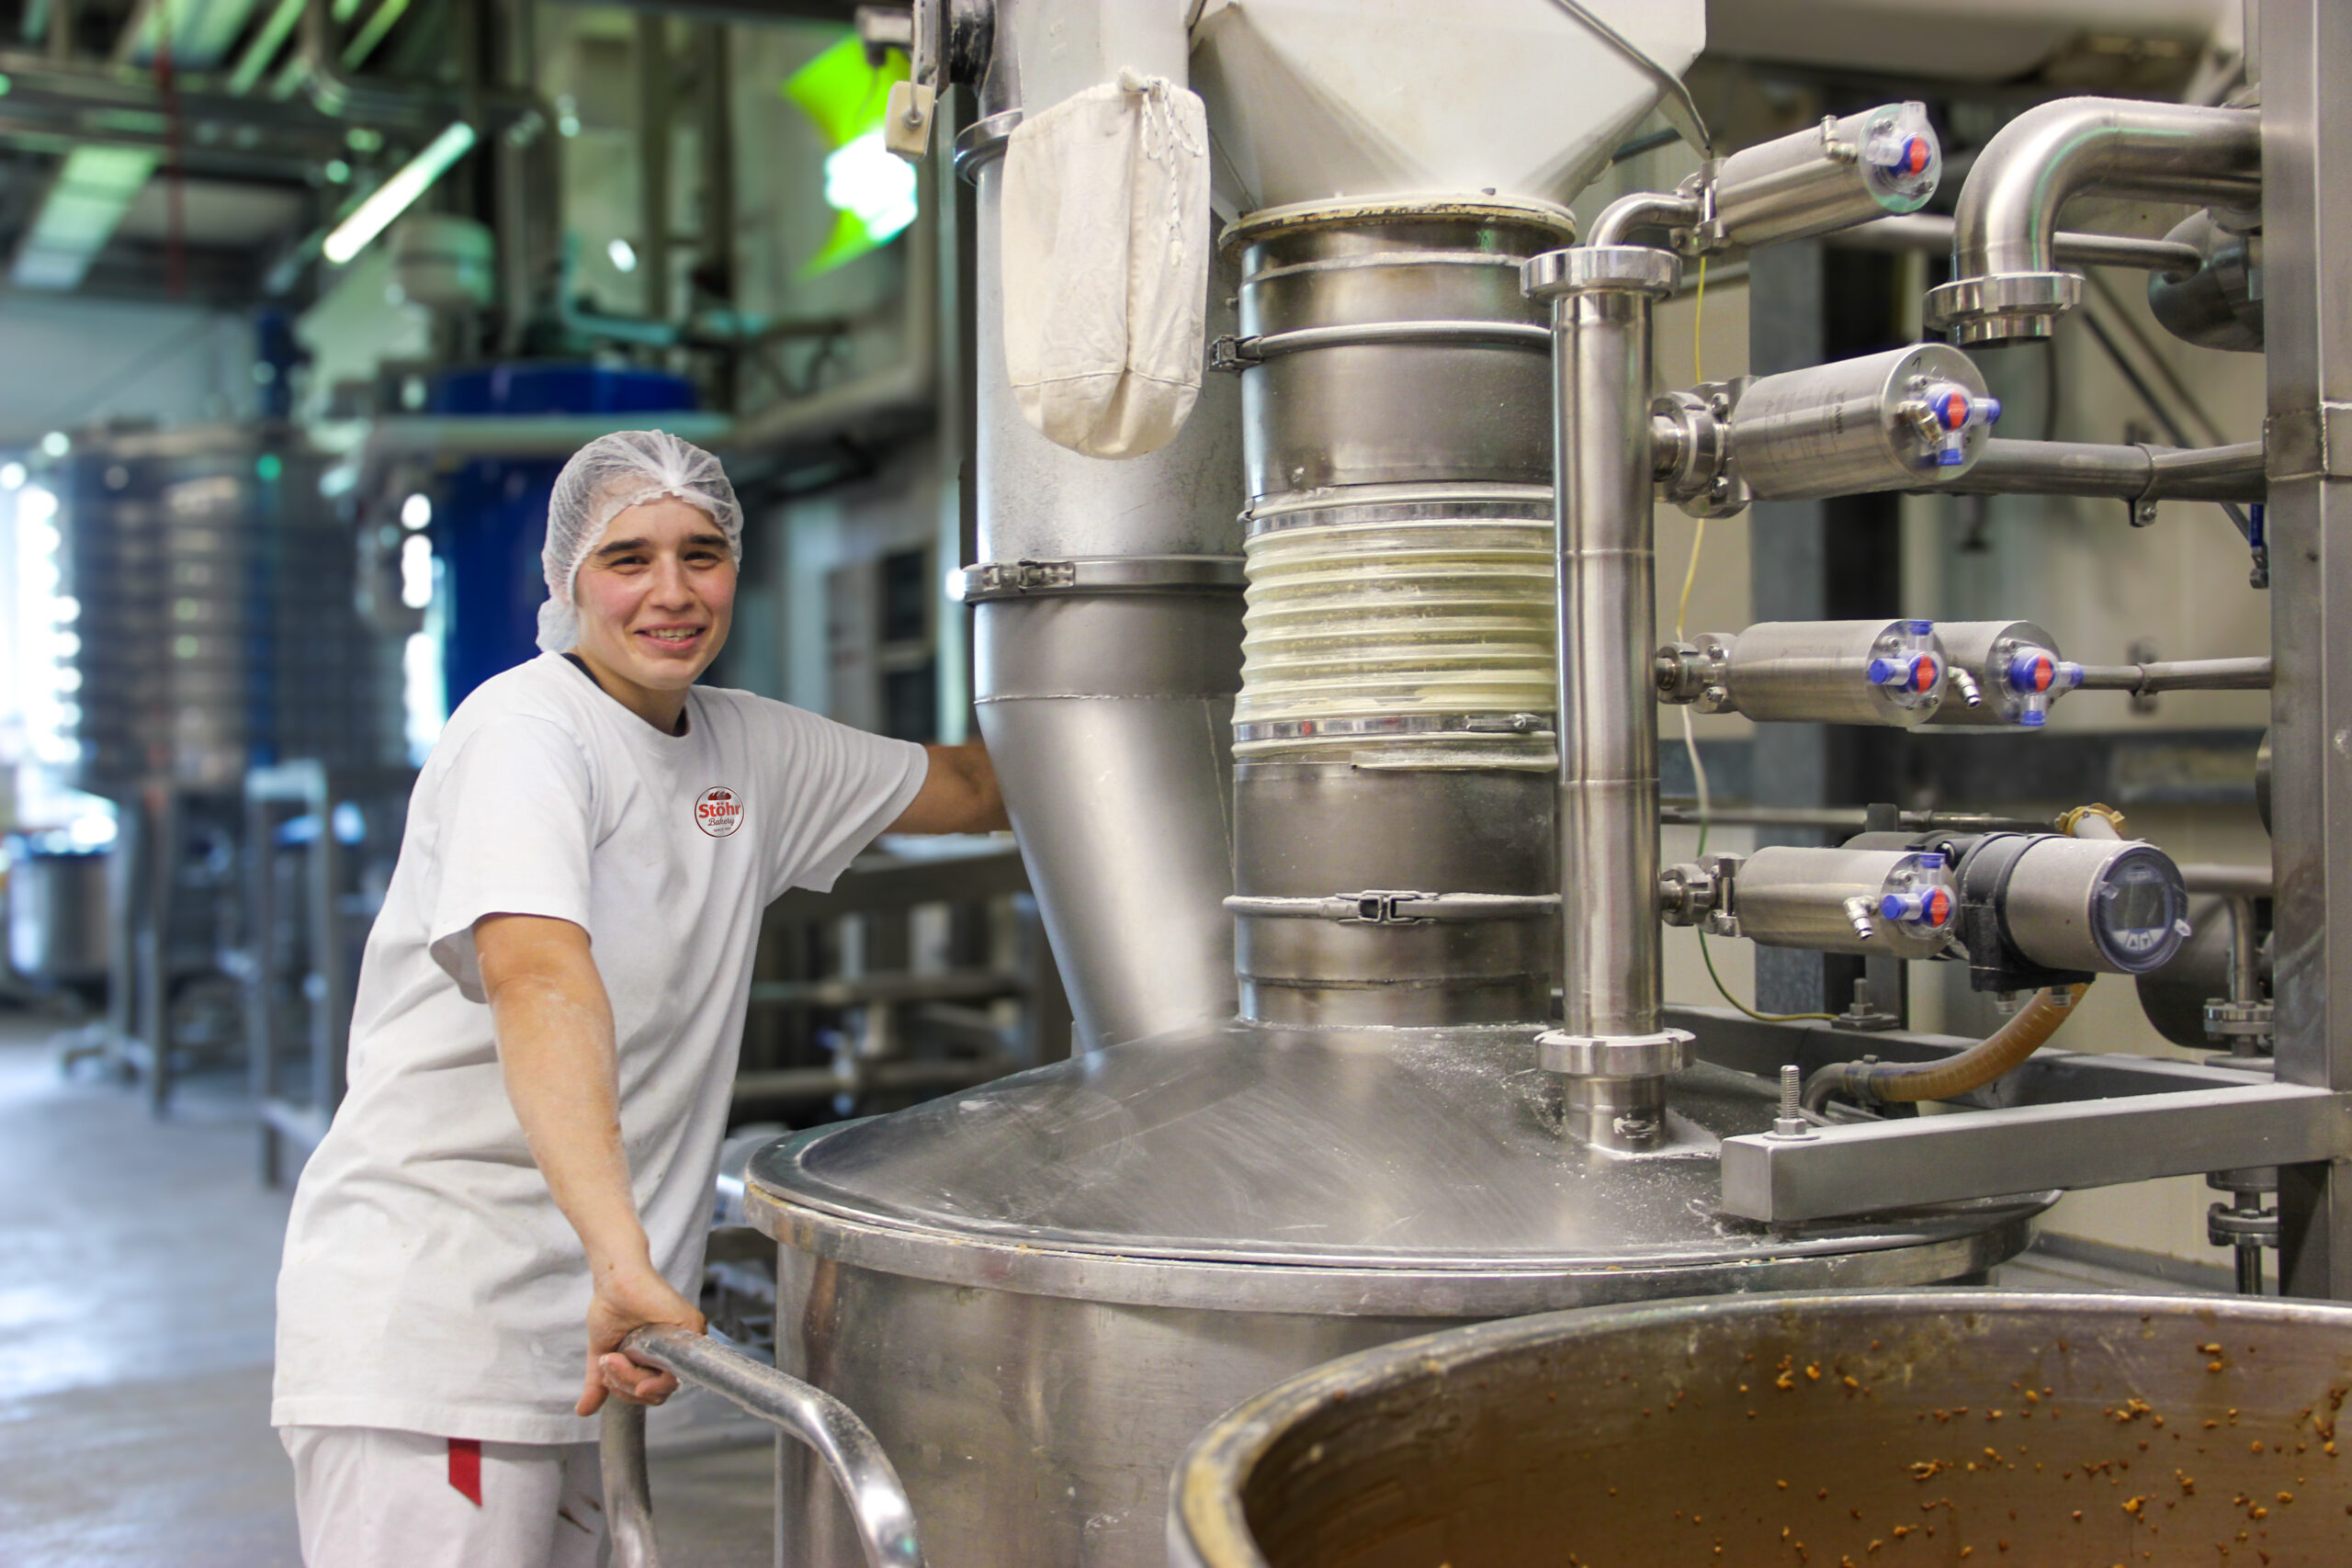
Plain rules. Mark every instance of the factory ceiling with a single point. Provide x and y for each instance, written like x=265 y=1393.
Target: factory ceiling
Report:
x=199 y=149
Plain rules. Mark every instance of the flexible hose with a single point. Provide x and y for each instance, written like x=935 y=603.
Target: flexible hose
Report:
x=1973 y=1069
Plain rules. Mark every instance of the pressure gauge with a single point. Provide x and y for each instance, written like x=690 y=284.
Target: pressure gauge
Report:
x=2138 y=910
x=2042 y=908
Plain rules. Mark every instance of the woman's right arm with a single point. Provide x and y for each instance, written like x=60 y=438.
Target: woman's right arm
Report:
x=554 y=1025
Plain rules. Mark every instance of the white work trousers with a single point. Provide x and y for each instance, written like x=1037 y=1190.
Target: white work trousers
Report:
x=368 y=1498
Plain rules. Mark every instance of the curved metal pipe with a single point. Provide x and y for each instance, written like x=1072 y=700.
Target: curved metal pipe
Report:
x=877 y=1499
x=1644 y=209
x=2008 y=216
x=2006 y=283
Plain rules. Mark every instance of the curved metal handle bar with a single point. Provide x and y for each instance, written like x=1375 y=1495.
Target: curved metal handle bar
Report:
x=877 y=1500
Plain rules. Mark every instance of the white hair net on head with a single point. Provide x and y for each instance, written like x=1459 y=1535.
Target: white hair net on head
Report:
x=604 y=480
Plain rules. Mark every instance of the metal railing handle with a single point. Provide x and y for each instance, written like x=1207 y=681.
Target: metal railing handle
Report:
x=877 y=1500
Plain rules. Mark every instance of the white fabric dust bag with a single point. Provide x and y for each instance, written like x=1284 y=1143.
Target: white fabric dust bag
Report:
x=1105 y=256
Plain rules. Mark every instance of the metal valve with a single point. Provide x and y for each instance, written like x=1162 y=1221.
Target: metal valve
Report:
x=2015 y=668
x=1881 y=673
x=1888 y=421
x=1882 y=903
x=1829 y=176
x=1943 y=412
x=2026 y=909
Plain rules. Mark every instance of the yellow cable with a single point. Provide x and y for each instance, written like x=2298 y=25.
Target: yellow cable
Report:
x=1690 y=738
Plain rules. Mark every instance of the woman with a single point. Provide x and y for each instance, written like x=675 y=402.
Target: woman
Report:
x=544 y=1034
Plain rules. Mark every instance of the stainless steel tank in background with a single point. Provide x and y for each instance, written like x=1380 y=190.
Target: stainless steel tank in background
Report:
x=1982 y=1426
x=219 y=628
x=58 y=930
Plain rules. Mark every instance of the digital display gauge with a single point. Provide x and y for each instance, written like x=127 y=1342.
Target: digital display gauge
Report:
x=2138 y=910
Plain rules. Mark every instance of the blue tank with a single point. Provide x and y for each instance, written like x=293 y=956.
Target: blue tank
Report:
x=489 y=516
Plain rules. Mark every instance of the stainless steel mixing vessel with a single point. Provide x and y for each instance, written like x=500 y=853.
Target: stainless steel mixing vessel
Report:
x=1036 y=1292
x=1978 y=1426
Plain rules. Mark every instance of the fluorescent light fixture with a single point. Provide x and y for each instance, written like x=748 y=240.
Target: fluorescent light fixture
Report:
x=416 y=511
x=95 y=187
x=416 y=571
x=392 y=198
x=623 y=255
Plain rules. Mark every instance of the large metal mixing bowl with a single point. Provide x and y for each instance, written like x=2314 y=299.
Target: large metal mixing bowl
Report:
x=1989 y=1428
x=1037 y=1292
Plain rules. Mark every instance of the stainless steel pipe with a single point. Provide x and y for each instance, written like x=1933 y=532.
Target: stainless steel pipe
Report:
x=877 y=1500
x=1931 y=233
x=1602 y=298
x=2136 y=474
x=1644 y=209
x=2179 y=675
x=2005 y=284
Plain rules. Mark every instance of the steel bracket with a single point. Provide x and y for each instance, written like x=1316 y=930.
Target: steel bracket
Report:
x=1872 y=1167
x=2308 y=443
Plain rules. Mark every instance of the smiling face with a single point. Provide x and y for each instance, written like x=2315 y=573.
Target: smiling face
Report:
x=656 y=597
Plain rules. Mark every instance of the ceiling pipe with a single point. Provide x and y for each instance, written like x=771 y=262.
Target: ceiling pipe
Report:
x=410 y=106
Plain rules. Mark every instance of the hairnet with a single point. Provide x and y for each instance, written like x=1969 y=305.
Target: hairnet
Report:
x=604 y=478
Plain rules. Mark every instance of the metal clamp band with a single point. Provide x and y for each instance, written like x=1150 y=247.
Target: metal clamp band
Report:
x=2002 y=304
x=1615 y=1055
x=1099 y=574
x=1529 y=724
x=983 y=140
x=1532 y=504
x=1381 y=907
x=1579 y=269
x=1240 y=353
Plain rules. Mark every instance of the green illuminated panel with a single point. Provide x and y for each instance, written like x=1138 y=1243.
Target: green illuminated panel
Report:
x=872 y=191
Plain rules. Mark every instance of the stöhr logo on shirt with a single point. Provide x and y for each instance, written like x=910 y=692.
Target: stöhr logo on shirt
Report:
x=718 y=811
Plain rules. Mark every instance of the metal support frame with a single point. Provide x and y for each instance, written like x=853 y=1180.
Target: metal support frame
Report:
x=159 y=941
x=333 y=930
x=2061 y=1122
x=1875 y=1166
x=888 y=1007
x=2307 y=238
x=878 y=1502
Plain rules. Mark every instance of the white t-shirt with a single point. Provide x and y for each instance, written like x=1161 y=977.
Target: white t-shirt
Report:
x=430 y=1282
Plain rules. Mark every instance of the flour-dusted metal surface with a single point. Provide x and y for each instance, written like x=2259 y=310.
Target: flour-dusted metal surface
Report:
x=1037 y=1293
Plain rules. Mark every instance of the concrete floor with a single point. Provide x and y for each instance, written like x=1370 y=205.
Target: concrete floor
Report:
x=138 y=1268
